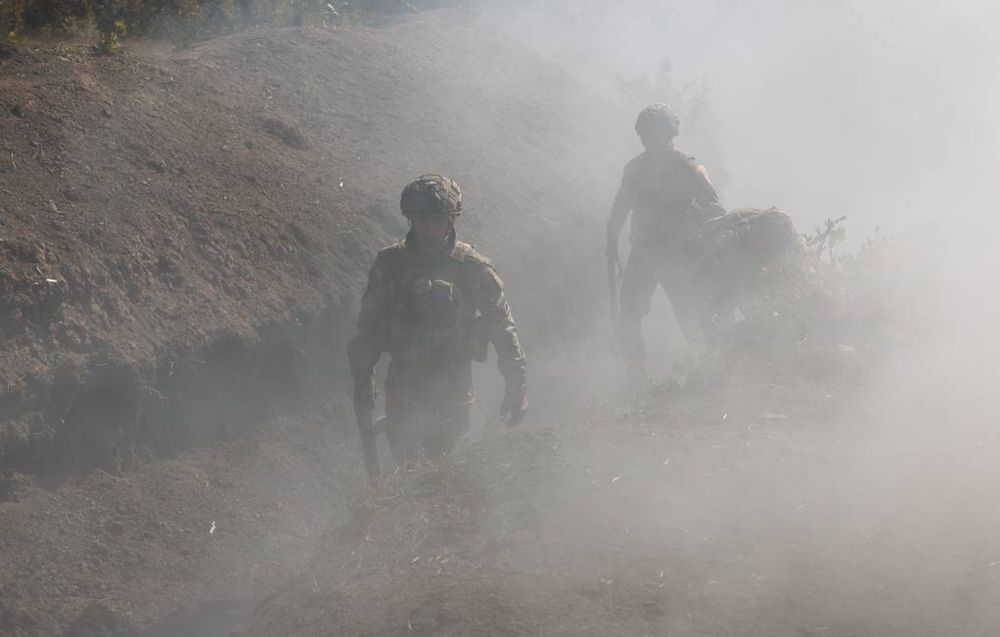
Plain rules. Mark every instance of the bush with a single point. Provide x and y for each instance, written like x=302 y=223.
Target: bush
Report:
x=858 y=298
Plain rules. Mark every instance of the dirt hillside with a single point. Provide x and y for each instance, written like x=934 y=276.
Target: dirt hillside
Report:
x=166 y=215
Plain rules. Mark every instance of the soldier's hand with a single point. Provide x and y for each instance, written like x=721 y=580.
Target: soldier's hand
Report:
x=515 y=403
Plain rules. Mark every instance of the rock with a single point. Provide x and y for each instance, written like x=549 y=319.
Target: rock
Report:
x=98 y=620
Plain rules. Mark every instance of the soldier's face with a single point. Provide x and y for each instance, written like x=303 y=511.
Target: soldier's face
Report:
x=657 y=138
x=431 y=230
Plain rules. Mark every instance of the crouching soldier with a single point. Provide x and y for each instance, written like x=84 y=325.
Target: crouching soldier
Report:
x=740 y=248
x=433 y=303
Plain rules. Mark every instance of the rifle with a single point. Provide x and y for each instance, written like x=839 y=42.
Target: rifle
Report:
x=362 y=369
x=614 y=267
x=364 y=406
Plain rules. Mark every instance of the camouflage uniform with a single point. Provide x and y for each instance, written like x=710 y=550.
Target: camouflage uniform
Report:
x=670 y=196
x=434 y=314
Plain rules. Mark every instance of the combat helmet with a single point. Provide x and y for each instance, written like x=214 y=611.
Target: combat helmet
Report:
x=431 y=194
x=656 y=116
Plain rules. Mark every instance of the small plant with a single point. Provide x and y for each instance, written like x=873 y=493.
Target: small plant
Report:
x=13 y=36
x=826 y=237
x=109 y=43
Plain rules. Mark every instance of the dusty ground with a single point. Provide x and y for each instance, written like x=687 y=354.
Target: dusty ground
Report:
x=713 y=511
x=731 y=508
x=97 y=556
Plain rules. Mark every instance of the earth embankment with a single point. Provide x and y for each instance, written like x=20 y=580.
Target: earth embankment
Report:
x=184 y=230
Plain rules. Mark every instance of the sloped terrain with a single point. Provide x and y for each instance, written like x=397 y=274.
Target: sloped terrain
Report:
x=179 y=226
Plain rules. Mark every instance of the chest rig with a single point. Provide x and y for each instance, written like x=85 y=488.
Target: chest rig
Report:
x=434 y=312
x=664 y=192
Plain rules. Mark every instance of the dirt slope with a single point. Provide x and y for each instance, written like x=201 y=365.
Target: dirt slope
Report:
x=111 y=553
x=165 y=212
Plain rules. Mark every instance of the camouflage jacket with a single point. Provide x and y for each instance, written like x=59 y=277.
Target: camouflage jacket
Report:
x=432 y=312
x=668 y=194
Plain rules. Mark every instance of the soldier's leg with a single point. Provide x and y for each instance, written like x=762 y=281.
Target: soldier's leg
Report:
x=638 y=284
x=440 y=439
x=689 y=300
x=400 y=421
x=454 y=412
x=686 y=299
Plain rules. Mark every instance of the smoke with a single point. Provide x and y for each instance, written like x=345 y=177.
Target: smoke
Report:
x=884 y=112
x=858 y=502
x=880 y=111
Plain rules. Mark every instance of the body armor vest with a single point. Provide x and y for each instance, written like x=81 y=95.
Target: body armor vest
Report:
x=435 y=321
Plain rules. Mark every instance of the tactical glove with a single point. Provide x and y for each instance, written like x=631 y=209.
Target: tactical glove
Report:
x=515 y=402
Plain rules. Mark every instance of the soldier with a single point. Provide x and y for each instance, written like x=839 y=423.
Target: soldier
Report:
x=434 y=304
x=670 y=197
x=741 y=246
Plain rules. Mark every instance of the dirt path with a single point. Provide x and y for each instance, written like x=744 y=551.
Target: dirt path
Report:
x=733 y=508
x=715 y=511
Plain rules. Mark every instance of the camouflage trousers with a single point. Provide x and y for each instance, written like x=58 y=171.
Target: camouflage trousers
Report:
x=426 y=410
x=649 y=267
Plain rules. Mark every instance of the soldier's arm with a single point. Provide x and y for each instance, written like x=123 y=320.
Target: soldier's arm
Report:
x=705 y=195
x=363 y=353
x=499 y=323
x=373 y=322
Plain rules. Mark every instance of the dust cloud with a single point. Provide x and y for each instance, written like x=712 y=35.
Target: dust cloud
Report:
x=847 y=487
x=884 y=112
x=853 y=493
